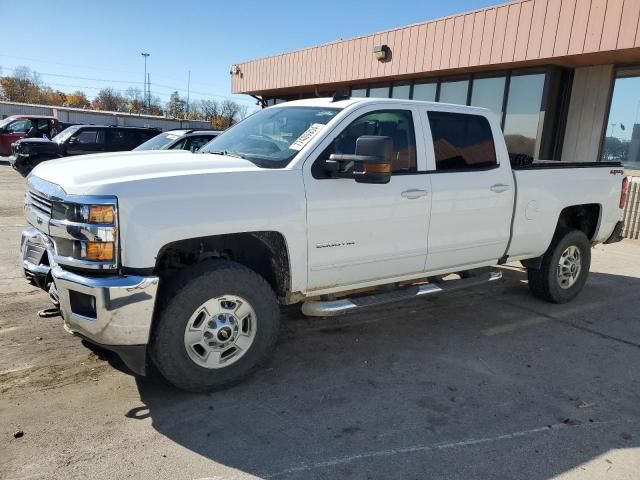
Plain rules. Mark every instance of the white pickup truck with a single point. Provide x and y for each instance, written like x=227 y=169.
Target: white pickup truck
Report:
x=180 y=261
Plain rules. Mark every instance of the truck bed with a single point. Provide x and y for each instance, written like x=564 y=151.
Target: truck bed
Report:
x=543 y=191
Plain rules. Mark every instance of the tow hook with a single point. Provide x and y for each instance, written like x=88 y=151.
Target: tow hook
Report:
x=55 y=299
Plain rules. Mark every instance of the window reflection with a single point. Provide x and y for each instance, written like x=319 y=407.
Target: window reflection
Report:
x=454 y=92
x=359 y=92
x=401 y=91
x=488 y=93
x=622 y=139
x=379 y=92
x=425 y=91
x=523 y=114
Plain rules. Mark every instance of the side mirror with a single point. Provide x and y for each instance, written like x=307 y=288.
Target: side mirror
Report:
x=72 y=140
x=372 y=160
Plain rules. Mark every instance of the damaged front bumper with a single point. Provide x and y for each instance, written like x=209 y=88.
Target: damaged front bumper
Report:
x=113 y=311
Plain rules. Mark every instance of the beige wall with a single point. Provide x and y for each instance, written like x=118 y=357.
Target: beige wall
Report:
x=524 y=32
x=588 y=113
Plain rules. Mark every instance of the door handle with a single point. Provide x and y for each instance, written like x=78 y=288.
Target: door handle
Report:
x=499 y=187
x=414 y=193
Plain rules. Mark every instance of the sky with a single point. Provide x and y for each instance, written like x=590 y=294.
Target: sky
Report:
x=87 y=45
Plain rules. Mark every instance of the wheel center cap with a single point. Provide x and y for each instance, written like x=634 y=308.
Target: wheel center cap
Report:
x=224 y=334
x=573 y=268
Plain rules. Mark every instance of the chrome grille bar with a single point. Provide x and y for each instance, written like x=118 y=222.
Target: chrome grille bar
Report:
x=39 y=202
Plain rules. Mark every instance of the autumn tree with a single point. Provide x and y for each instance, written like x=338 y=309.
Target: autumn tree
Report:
x=78 y=99
x=135 y=100
x=24 y=86
x=222 y=115
x=110 y=100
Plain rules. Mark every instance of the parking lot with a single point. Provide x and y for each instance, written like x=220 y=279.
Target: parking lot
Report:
x=487 y=383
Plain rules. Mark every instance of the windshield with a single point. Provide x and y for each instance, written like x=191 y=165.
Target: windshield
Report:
x=159 y=142
x=271 y=138
x=6 y=121
x=63 y=135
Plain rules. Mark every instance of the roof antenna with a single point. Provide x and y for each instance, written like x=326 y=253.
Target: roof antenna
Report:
x=339 y=96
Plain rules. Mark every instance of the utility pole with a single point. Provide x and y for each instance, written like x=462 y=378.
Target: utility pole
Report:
x=148 y=92
x=145 y=55
x=188 y=85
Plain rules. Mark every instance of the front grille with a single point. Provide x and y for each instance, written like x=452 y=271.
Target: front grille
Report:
x=40 y=202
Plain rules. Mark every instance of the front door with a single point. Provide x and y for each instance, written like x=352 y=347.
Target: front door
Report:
x=362 y=233
x=88 y=140
x=473 y=191
x=13 y=132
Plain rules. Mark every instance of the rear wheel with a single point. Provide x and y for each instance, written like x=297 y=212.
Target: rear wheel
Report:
x=564 y=268
x=219 y=321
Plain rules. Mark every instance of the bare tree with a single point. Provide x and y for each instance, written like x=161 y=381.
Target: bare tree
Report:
x=109 y=99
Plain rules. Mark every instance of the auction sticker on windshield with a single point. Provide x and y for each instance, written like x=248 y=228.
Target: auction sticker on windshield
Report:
x=306 y=136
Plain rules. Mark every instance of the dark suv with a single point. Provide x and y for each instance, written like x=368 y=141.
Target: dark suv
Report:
x=77 y=140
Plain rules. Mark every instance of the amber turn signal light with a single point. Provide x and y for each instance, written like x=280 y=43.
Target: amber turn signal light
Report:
x=101 y=214
x=376 y=167
x=98 y=251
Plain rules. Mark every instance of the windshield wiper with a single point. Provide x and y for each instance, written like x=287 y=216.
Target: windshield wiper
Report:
x=227 y=153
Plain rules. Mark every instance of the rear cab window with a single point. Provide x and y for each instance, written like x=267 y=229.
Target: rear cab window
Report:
x=462 y=142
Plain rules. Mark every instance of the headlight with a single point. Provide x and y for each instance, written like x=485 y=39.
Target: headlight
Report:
x=85 y=234
x=98 y=213
x=80 y=213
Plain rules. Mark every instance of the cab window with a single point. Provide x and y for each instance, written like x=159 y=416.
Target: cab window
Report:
x=89 y=137
x=462 y=141
x=19 y=126
x=396 y=124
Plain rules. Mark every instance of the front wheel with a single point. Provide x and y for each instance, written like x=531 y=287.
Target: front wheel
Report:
x=217 y=323
x=564 y=269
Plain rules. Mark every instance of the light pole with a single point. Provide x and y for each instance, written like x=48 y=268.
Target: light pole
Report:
x=146 y=102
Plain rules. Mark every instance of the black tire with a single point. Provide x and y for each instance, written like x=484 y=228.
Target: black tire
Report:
x=180 y=298
x=544 y=282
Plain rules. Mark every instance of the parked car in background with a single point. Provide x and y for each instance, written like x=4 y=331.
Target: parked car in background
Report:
x=15 y=127
x=77 y=140
x=192 y=140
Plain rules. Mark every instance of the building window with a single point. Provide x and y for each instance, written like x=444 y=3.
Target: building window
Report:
x=379 y=92
x=522 y=116
x=454 y=92
x=532 y=116
x=359 y=92
x=425 y=91
x=489 y=93
x=622 y=137
x=401 y=91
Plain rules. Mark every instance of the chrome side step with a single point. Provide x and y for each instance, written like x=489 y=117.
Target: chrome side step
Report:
x=332 y=308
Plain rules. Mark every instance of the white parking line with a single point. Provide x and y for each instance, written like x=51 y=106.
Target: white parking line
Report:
x=304 y=467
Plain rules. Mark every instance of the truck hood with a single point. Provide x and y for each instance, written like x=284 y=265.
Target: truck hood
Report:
x=84 y=174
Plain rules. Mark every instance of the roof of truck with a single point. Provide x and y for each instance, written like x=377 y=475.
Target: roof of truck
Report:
x=344 y=102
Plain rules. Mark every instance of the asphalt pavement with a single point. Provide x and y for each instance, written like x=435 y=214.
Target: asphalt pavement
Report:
x=489 y=383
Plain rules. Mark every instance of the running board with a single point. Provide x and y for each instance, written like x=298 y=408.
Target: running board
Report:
x=332 y=308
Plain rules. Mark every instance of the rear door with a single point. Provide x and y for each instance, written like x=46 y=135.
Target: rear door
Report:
x=472 y=191
x=364 y=233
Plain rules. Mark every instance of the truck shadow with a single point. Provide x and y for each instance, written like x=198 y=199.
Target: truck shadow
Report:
x=491 y=376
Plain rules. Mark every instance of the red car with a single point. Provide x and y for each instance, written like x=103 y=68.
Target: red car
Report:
x=15 y=127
